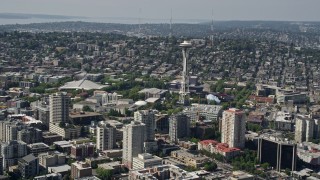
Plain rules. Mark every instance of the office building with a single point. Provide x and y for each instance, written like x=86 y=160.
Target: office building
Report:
x=295 y=97
x=233 y=128
x=1 y=165
x=304 y=129
x=28 y=166
x=189 y=159
x=59 y=107
x=38 y=148
x=52 y=176
x=148 y=118
x=218 y=148
x=203 y=112
x=80 y=151
x=284 y=121
x=49 y=138
x=106 y=137
x=146 y=160
x=50 y=159
x=133 y=138
x=80 y=170
x=30 y=135
x=167 y=171
x=11 y=152
x=67 y=132
x=9 y=130
x=278 y=151
x=179 y=127
x=16 y=130
x=42 y=112
x=309 y=154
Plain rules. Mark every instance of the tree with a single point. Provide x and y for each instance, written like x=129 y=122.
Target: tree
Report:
x=104 y=174
x=113 y=112
x=194 y=140
x=253 y=127
x=62 y=125
x=210 y=166
x=265 y=165
x=87 y=109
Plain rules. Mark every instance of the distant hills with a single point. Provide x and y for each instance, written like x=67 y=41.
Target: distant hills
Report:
x=38 y=16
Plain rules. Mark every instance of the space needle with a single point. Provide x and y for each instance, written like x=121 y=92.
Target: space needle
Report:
x=184 y=89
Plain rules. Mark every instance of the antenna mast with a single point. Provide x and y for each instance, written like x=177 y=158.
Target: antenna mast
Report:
x=170 y=33
x=139 y=20
x=211 y=37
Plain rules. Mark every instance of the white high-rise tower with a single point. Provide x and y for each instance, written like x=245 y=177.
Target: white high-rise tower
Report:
x=184 y=89
x=233 y=128
x=59 y=107
x=133 y=138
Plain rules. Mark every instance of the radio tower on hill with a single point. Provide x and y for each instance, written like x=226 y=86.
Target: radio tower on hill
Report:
x=170 y=33
x=211 y=37
x=184 y=89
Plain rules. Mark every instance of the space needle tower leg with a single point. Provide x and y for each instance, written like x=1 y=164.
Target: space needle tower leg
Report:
x=184 y=89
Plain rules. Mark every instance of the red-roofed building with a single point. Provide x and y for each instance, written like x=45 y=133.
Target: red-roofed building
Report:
x=218 y=148
x=206 y=144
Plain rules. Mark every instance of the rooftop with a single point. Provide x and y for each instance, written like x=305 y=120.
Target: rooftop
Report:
x=29 y=158
x=38 y=145
x=81 y=165
x=82 y=84
x=58 y=169
x=83 y=114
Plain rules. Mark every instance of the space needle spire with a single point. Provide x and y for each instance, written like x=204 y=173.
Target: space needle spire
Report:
x=184 y=89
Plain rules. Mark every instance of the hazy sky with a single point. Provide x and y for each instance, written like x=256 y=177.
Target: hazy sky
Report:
x=182 y=9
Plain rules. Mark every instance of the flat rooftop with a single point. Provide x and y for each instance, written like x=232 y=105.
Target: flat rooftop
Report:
x=83 y=114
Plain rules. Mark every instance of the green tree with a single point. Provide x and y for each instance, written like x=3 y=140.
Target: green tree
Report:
x=104 y=174
x=210 y=166
x=265 y=165
x=253 y=127
x=194 y=140
x=87 y=109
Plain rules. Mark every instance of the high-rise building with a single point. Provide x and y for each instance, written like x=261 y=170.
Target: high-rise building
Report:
x=43 y=114
x=276 y=150
x=179 y=127
x=11 y=132
x=28 y=166
x=233 y=128
x=147 y=117
x=133 y=138
x=16 y=130
x=12 y=151
x=59 y=107
x=1 y=165
x=106 y=137
x=30 y=135
x=304 y=130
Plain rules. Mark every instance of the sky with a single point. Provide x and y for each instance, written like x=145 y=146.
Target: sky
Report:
x=292 y=10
